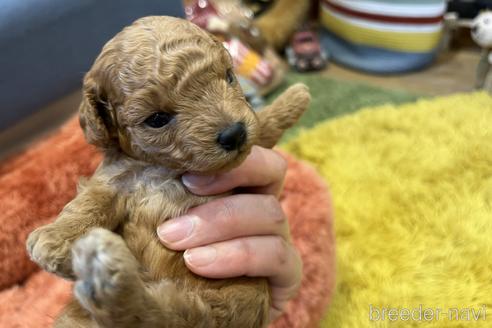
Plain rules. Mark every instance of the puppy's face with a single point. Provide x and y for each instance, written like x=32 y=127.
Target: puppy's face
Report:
x=163 y=91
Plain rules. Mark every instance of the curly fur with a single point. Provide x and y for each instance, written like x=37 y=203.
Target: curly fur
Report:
x=105 y=238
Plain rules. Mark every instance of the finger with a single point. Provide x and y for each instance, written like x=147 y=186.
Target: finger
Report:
x=264 y=170
x=262 y=256
x=223 y=219
x=258 y=256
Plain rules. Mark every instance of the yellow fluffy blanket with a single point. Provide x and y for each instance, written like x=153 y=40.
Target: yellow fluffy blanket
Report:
x=412 y=187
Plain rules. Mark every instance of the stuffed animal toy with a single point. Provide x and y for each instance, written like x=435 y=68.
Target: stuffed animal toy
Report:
x=161 y=99
x=482 y=35
x=231 y=22
x=281 y=19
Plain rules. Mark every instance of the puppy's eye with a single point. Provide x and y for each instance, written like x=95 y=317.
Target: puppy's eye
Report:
x=158 y=120
x=230 y=78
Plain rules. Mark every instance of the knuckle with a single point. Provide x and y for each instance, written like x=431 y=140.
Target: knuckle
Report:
x=246 y=252
x=281 y=165
x=270 y=201
x=281 y=250
x=227 y=209
x=274 y=209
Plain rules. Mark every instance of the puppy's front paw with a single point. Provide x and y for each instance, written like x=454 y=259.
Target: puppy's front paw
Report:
x=106 y=271
x=289 y=106
x=50 y=248
x=297 y=96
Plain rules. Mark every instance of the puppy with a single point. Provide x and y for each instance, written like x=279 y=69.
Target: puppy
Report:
x=160 y=100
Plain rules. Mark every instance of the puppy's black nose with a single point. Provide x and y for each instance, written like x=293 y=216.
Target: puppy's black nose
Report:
x=233 y=137
x=474 y=29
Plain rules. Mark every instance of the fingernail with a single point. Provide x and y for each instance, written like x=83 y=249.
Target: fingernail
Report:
x=200 y=256
x=197 y=181
x=176 y=229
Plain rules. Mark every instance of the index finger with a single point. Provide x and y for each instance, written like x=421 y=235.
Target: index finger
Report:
x=263 y=171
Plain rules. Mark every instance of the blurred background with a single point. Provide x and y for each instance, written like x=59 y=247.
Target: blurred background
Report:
x=416 y=47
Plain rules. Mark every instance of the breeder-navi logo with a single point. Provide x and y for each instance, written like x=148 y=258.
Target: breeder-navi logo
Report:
x=427 y=314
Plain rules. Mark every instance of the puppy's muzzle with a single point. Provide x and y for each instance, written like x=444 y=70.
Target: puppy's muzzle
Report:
x=233 y=137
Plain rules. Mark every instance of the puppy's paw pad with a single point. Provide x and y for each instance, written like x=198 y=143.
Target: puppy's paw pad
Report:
x=102 y=264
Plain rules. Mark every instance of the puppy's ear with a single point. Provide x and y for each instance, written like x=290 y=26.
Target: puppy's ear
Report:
x=282 y=114
x=96 y=115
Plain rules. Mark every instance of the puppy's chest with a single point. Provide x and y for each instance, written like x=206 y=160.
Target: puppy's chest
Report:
x=153 y=196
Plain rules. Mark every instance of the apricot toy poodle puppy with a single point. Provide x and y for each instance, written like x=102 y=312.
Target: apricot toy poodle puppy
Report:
x=160 y=100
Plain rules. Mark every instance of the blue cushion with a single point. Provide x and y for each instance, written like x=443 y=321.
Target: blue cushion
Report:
x=47 y=46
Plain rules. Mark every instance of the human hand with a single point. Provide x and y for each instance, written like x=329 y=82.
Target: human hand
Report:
x=242 y=234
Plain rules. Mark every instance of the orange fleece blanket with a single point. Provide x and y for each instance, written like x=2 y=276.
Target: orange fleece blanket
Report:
x=36 y=184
